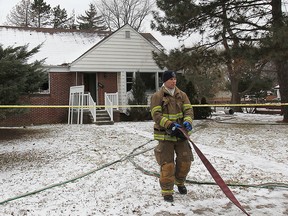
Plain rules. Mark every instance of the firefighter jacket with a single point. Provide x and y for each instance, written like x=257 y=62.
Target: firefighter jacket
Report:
x=166 y=109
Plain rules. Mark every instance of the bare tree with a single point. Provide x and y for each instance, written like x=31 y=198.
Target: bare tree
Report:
x=20 y=15
x=117 y=13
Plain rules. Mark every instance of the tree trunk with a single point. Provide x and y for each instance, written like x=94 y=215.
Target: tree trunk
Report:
x=235 y=99
x=280 y=59
x=282 y=72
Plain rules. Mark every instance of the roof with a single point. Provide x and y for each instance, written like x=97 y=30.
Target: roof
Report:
x=60 y=46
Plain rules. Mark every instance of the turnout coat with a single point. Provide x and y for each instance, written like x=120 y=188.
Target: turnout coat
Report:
x=166 y=109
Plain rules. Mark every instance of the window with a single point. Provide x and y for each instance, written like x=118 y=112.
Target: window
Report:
x=149 y=81
x=129 y=80
x=44 y=88
x=160 y=82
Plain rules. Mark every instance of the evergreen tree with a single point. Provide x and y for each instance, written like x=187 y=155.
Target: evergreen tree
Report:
x=41 y=12
x=60 y=18
x=190 y=90
x=236 y=25
x=204 y=67
x=90 y=20
x=17 y=76
x=138 y=98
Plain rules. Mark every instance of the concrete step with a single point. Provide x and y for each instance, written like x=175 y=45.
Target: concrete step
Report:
x=103 y=118
x=104 y=122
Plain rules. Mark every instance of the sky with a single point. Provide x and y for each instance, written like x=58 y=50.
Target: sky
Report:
x=81 y=6
x=69 y=5
x=61 y=169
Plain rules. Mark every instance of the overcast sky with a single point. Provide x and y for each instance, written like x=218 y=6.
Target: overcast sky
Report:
x=80 y=6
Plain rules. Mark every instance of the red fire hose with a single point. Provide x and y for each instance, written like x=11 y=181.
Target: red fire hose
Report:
x=218 y=179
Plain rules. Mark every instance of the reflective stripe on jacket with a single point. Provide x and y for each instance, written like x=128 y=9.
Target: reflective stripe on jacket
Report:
x=166 y=109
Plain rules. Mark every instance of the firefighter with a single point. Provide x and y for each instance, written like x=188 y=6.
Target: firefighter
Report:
x=170 y=110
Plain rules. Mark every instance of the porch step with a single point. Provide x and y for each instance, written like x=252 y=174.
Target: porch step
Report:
x=104 y=122
x=103 y=118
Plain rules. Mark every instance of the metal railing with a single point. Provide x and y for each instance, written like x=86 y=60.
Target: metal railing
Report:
x=113 y=97
x=88 y=101
x=108 y=105
x=76 y=97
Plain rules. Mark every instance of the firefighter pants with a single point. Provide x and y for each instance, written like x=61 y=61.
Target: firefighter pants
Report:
x=173 y=171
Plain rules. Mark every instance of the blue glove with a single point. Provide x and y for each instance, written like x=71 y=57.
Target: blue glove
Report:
x=187 y=125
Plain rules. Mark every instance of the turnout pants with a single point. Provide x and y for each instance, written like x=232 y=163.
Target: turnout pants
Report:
x=173 y=171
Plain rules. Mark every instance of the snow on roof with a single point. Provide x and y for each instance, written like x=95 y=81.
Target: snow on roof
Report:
x=60 y=46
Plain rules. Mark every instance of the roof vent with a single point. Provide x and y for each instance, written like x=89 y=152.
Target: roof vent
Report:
x=127 y=34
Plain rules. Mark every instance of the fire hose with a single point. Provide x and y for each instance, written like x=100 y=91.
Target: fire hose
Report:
x=218 y=179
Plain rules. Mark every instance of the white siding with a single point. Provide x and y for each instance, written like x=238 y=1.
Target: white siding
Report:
x=117 y=53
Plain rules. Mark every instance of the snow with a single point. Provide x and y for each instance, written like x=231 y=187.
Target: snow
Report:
x=57 y=47
x=88 y=169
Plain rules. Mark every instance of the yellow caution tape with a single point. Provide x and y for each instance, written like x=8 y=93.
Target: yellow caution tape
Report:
x=142 y=106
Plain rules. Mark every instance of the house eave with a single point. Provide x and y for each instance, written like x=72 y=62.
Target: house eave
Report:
x=57 y=69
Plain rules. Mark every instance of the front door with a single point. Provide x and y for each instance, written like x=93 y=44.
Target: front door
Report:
x=90 y=84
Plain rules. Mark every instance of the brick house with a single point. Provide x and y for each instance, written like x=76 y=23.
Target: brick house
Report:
x=104 y=62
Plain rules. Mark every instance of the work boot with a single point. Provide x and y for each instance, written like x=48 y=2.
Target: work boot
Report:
x=168 y=198
x=182 y=189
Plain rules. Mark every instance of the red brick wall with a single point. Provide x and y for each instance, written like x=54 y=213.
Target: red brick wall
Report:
x=109 y=82
x=59 y=95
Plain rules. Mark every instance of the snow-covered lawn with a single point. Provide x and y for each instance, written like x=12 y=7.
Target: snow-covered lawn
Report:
x=98 y=170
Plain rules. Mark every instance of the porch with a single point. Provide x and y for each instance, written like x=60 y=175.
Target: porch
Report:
x=83 y=109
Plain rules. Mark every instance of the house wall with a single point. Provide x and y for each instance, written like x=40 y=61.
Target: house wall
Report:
x=59 y=95
x=117 y=53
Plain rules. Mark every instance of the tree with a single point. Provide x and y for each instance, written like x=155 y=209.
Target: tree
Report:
x=60 y=18
x=232 y=26
x=280 y=45
x=90 y=20
x=260 y=87
x=203 y=67
x=17 y=76
x=41 y=12
x=138 y=97
x=190 y=90
x=20 y=15
x=117 y=13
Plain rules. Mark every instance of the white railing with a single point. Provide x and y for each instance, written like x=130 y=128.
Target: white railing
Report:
x=109 y=105
x=76 y=99
x=113 y=97
x=88 y=101
x=85 y=102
